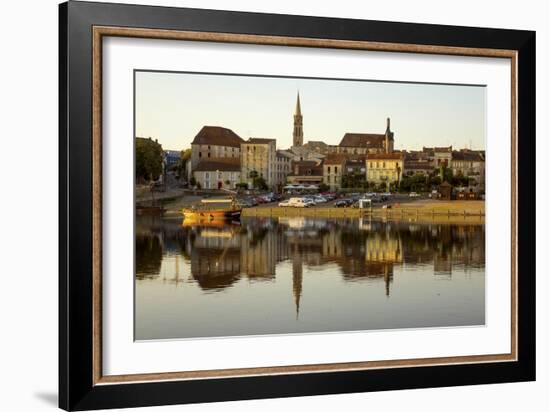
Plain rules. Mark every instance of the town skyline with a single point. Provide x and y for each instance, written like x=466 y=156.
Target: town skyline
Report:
x=423 y=115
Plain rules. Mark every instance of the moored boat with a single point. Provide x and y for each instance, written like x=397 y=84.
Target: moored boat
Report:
x=204 y=212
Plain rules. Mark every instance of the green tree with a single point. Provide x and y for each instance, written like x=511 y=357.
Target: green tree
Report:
x=445 y=174
x=259 y=183
x=435 y=180
x=185 y=156
x=193 y=181
x=324 y=187
x=149 y=158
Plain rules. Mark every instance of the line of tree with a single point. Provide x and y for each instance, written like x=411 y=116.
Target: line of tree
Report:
x=419 y=183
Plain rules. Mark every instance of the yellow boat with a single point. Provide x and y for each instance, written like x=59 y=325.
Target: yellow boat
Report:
x=203 y=212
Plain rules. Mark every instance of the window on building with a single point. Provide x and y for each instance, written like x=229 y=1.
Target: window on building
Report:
x=208 y=154
x=335 y=169
x=328 y=169
x=207 y=175
x=383 y=165
x=200 y=154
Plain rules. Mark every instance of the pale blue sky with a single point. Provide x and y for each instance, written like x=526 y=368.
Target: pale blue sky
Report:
x=172 y=107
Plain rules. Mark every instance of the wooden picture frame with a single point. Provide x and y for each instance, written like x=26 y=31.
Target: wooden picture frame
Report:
x=82 y=27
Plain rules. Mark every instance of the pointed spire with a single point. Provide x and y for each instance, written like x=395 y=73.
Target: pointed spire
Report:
x=298 y=133
x=387 y=125
x=298 y=111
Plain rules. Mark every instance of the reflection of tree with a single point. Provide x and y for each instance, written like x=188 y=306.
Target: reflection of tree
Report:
x=148 y=256
x=212 y=272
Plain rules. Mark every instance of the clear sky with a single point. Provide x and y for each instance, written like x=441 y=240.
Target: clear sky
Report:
x=173 y=107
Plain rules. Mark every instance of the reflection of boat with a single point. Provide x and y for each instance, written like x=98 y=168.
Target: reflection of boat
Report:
x=189 y=222
x=149 y=210
x=206 y=212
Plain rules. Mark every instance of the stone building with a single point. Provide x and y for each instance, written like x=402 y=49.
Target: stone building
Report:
x=385 y=168
x=366 y=143
x=442 y=156
x=317 y=146
x=258 y=155
x=333 y=168
x=283 y=165
x=413 y=166
x=306 y=172
x=471 y=164
x=220 y=173
x=214 y=142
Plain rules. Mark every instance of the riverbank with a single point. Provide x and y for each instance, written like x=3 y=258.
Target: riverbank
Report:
x=425 y=210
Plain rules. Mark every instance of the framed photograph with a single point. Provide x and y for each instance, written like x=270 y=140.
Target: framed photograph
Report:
x=257 y=205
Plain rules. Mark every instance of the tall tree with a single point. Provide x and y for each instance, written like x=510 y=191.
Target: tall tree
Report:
x=149 y=158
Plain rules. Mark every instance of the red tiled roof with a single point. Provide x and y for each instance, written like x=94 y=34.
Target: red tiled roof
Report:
x=367 y=140
x=217 y=136
x=306 y=168
x=335 y=159
x=467 y=156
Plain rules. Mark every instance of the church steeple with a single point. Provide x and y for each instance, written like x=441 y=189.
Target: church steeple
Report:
x=298 y=133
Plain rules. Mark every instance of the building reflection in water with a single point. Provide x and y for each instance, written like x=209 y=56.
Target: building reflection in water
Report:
x=221 y=254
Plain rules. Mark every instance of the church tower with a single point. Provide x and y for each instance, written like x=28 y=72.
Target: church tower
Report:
x=298 y=133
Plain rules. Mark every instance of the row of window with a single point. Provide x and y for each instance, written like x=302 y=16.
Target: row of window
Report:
x=231 y=155
x=234 y=149
x=233 y=175
x=376 y=165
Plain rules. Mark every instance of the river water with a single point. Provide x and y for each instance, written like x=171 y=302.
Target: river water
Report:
x=300 y=275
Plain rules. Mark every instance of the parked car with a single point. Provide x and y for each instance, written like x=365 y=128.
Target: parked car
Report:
x=310 y=201
x=319 y=199
x=343 y=202
x=245 y=202
x=300 y=202
x=251 y=201
x=414 y=194
x=285 y=203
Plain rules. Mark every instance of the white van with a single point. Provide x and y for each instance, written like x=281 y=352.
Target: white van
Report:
x=298 y=202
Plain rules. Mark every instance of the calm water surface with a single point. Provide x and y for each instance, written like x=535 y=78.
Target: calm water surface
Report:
x=294 y=275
